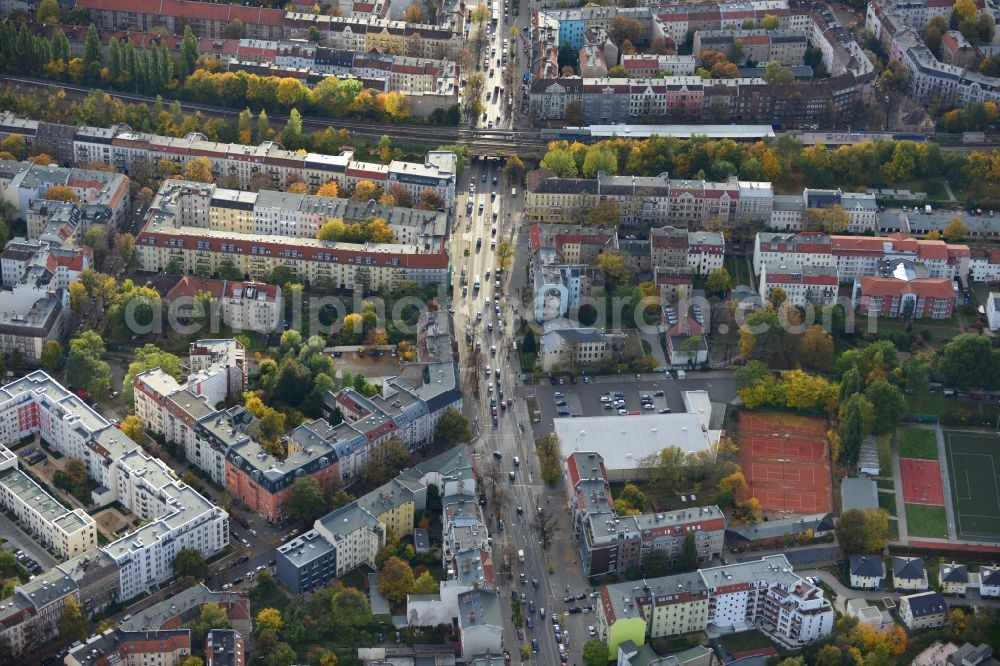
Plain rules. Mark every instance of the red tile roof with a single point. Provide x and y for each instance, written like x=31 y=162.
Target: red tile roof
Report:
x=873 y=286
x=190 y=9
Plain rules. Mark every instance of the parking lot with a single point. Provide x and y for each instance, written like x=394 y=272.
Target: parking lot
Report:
x=584 y=399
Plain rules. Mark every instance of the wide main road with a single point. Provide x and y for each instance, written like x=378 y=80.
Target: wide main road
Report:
x=478 y=322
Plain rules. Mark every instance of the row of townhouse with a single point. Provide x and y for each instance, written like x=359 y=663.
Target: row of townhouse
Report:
x=562 y=261
x=683 y=96
x=200 y=228
x=787 y=47
x=611 y=544
x=740 y=100
x=404 y=73
x=649 y=200
x=868 y=572
x=102 y=197
x=856 y=256
x=174 y=516
x=899 y=25
x=129 y=151
x=764 y=593
x=38 y=274
x=220 y=441
x=68 y=532
x=799 y=212
x=209 y=20
x=352 y=535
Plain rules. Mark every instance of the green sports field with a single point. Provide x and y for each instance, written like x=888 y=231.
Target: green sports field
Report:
x=974 y=476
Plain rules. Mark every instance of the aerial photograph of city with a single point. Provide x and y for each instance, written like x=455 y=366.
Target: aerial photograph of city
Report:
x=499 y=333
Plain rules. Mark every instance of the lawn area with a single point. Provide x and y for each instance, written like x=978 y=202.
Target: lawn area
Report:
x=926 y=520
x=888 y=502
x=888 y=484
x=928 y=403
x=893 y=530
x=883 y=447
x=745 y=641
x=914 y=443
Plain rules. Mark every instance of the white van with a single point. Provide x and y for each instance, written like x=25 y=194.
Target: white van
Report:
x=520 y=556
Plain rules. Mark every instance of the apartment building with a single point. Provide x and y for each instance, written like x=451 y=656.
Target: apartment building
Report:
x=242 y=306
x=906 y=297
x=125 y=149
x=206 y=19
x=29 y=618
x=797 y=213
x=41 y=264
x=163 y=647
x=899 y=25
x=203 y=228
x=30 y=317
x=923 y=610
x=264 y=482
x=765 y=593
x=612 y=544
x=362 y=33
x=402 y=72
x=68 y=532
x=23 y=183
x=576 y=348
x=176 y=515
x=649 y=201
x=352 y=535
x=856 y=256
x=701 y=251
x=649 y=66
x=802 y=284
x=787 y=47
x=224 y=647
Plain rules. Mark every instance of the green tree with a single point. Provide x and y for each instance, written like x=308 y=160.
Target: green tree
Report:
x=816 y=349
x=863 y=530
x=395 y=580
x=145 y=358
x=8 y=564
x=889 y=406
x=751 y=374
x=92 y=47
x=72 y=624
x=968 y=361
x=688 y=560
x=614 y=268
x=263 y=127
x=655 y=564
x=84 y=368
x=595 y=653
x=306 y=502
x=213 y=616
x=282 y=655
x=52 y=355
x=189 y=55
x=718 y=281
x=955 y=230
x=190 y=562
x=514 y=170
x=560 y=162
x=529 y=345
x=600 y=158
x=48 y=11
x=452 y=428
x=292 y=136
x=856 y=420
x=850 y=383
x=426 y=584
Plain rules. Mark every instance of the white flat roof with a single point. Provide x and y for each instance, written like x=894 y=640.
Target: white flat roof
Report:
x=623 y=441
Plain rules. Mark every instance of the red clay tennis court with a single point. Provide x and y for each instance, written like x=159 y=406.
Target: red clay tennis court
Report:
x=921 y=481
x=785 y=462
